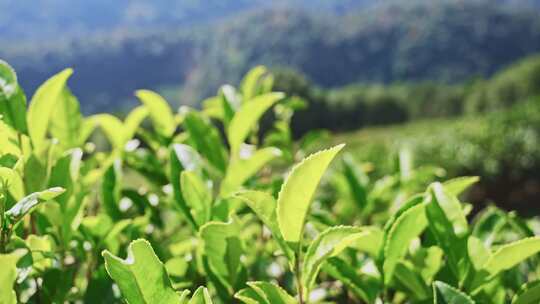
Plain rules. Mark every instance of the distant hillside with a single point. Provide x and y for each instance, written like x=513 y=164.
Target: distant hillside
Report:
x=334 y=45
x=45 y=19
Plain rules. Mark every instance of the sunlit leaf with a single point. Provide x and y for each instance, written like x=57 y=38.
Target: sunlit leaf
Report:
x=28 y=203
x=512 y=254
x=298 y=190
x=43 y=105
x=8 y=275
x=160 y=112
x=246 y=118
x=141 y=277
x=240 y=170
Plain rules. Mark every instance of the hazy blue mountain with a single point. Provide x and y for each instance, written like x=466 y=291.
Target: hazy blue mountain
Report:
x=117 y=47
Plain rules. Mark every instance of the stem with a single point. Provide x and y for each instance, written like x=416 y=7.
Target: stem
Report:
x=299 y=285
x=298 y=274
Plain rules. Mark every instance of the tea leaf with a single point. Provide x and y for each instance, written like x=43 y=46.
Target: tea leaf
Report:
x=446 y=294
x=160 y=112
x=43 y=104
x=512 y=254
x=8 y=275
x=329 y=243
x=246 y=118
x=141 y=277
x=528 y=294
x=297 y=192
x=240 y=170
x=407 y=226
x=28 y=203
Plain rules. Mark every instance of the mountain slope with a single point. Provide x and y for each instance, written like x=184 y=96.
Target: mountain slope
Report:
x=446 y=40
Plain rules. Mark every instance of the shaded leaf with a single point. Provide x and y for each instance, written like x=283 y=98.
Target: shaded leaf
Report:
x=329 y=243
x=528 y=294
x=407 y=226
x=223 y=247
x=197 y=196
x=446 y=294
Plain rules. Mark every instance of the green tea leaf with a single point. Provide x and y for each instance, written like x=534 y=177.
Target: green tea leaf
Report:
x=329 y=243
x=200 y=296
x=297 y=192
x=407 y=226
x=364 y=286
x=132 y=122
x=13 y=181
x=451 y=207
x=8 y=79
x=444 y=229
x=240 y=170
x=141 y=277
x=117 y=132
x=8 y=275
x=246 y=118
x=66 y=121
x=113 y=129
x=357 y=181
x=271 y=293
x=456 y=186
x=250 y=296
x=223 y=247
x=12 y=99
x=206 y=139
x=408 y=276
x=512 y=254
x=528 y=294
x=264 y=206
x=110 y=189
x=478 y=253
x=160 y=112
x=43 y=105
x=28 y=203
x=251 y=81
x=446 y=294
x=370 y=241
x=197 y=196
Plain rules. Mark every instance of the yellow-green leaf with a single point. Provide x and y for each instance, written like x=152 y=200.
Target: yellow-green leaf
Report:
x=240 y=170
x=298 y=190
x=8 y=275
x=407 y=226
x=43 y=105
x=512 y=254
x=141 y=277
x=246 y=118
x=160 y=112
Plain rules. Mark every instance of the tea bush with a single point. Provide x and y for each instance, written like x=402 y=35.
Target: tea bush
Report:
x=199 y=207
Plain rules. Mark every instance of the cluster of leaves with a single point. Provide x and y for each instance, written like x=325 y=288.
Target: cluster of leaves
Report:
x=198 y=204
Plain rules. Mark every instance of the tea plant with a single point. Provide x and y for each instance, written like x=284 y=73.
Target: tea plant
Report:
x=204 y=209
